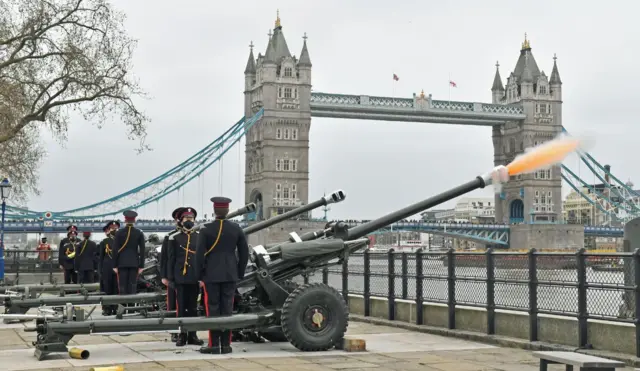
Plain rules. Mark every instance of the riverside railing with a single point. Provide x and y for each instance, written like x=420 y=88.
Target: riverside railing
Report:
x=31 y=261
x=577 y=284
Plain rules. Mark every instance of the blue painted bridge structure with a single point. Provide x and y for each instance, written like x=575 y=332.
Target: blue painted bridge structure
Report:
x=496 y=234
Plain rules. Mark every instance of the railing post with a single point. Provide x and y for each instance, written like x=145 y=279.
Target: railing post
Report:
x=533 y=295
x=636 y=319
x=419 y=287
x=50 y=264
x=405 y=276
x=451 y=285
x=345 y=279
x=491 y=293
x=325 y=275
x=582 y=297
x=391 y=262
x=367 y=283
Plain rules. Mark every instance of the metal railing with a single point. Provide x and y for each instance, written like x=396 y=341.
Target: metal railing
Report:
x=578 y=284
x=21 y=261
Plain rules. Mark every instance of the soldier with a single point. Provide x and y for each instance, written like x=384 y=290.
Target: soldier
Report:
x=128 y=253
x=66 y=253
x=182 y=273
x=164 y=254
x=85 y=258
x=219 y=268
x=106 y=263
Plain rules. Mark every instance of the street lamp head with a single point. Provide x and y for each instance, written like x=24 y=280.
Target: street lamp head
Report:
x=5 y=188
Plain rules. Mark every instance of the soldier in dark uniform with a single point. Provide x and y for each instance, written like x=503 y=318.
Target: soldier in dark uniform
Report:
x=108 y=281
x=164 y=254
x=84 y=259
x=219 y=268
x=66 y=253
x=182 y=273
x=129 y=255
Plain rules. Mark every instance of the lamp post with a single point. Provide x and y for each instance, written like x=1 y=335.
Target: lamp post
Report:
x=5 y=192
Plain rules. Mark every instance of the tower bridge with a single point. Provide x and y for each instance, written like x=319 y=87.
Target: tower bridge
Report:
x=524 y=111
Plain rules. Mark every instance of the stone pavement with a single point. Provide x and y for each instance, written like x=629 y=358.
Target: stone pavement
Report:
x=388 y=349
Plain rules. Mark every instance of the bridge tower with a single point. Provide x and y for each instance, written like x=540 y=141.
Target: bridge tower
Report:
x=277 y=147
x=533 y=197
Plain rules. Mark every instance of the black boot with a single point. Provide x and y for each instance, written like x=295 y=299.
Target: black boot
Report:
x=174 y=338
x=226 y=349
x=182 y=340
x=192 y=339
x=210 y=350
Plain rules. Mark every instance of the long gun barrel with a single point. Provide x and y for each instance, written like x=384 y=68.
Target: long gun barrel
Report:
x=334 y=197
x=396 y=216
x=246 y=209
x=21 y=306
x=50 y=287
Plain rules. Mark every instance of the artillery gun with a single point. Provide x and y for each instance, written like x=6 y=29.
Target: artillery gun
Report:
x=312 y=317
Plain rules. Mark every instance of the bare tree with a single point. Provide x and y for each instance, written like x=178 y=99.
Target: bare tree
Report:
x=19 y=161
x=64 y=56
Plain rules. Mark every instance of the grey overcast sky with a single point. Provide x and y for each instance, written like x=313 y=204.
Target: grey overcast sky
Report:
x=191 y=57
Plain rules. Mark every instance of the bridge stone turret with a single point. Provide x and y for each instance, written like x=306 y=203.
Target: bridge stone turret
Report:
x=535 y=197
x=277 y=147
x=532 y=203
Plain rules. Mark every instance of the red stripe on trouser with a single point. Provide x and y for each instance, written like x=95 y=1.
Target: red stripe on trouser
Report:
x=206 y=310
x=118 y=281
x=232 y=300
x=177 y=307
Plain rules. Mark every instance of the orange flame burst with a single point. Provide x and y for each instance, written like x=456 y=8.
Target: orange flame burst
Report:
x=545 y=155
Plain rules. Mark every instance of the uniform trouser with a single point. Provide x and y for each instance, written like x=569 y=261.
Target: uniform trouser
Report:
x=127 y=280
x=85 y=276
x=109 y=284
x=70 y=276
x=187 y=305
x=171 y=298
x=218 y=299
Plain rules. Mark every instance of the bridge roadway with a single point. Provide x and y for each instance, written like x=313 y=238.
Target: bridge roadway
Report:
x=168 y=225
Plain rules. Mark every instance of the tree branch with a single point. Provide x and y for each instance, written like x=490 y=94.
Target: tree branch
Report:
x=65 y=55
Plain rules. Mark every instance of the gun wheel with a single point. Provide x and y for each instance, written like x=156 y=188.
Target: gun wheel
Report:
x=315 y=317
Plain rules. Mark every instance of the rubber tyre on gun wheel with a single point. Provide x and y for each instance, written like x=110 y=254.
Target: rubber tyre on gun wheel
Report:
x=310 y=306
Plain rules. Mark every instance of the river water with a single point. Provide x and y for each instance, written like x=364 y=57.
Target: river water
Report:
x=471 y=285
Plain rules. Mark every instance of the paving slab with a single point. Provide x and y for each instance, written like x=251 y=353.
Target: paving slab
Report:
x=388 y=348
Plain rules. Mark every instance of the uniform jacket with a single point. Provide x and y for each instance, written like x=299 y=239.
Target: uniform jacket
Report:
x=128 y=249
x=85 y=255
x=216 y=259
x=67 y=247
x=164 y=255
x=181 y=268
x=105 y=253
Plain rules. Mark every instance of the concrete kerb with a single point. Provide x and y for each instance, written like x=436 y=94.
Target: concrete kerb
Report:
x=498 y=340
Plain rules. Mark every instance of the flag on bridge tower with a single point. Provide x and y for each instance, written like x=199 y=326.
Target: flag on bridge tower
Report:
x=395 y=77
x=452 y=84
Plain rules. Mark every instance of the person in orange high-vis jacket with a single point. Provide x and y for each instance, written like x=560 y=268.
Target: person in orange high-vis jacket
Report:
x=44 y=250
